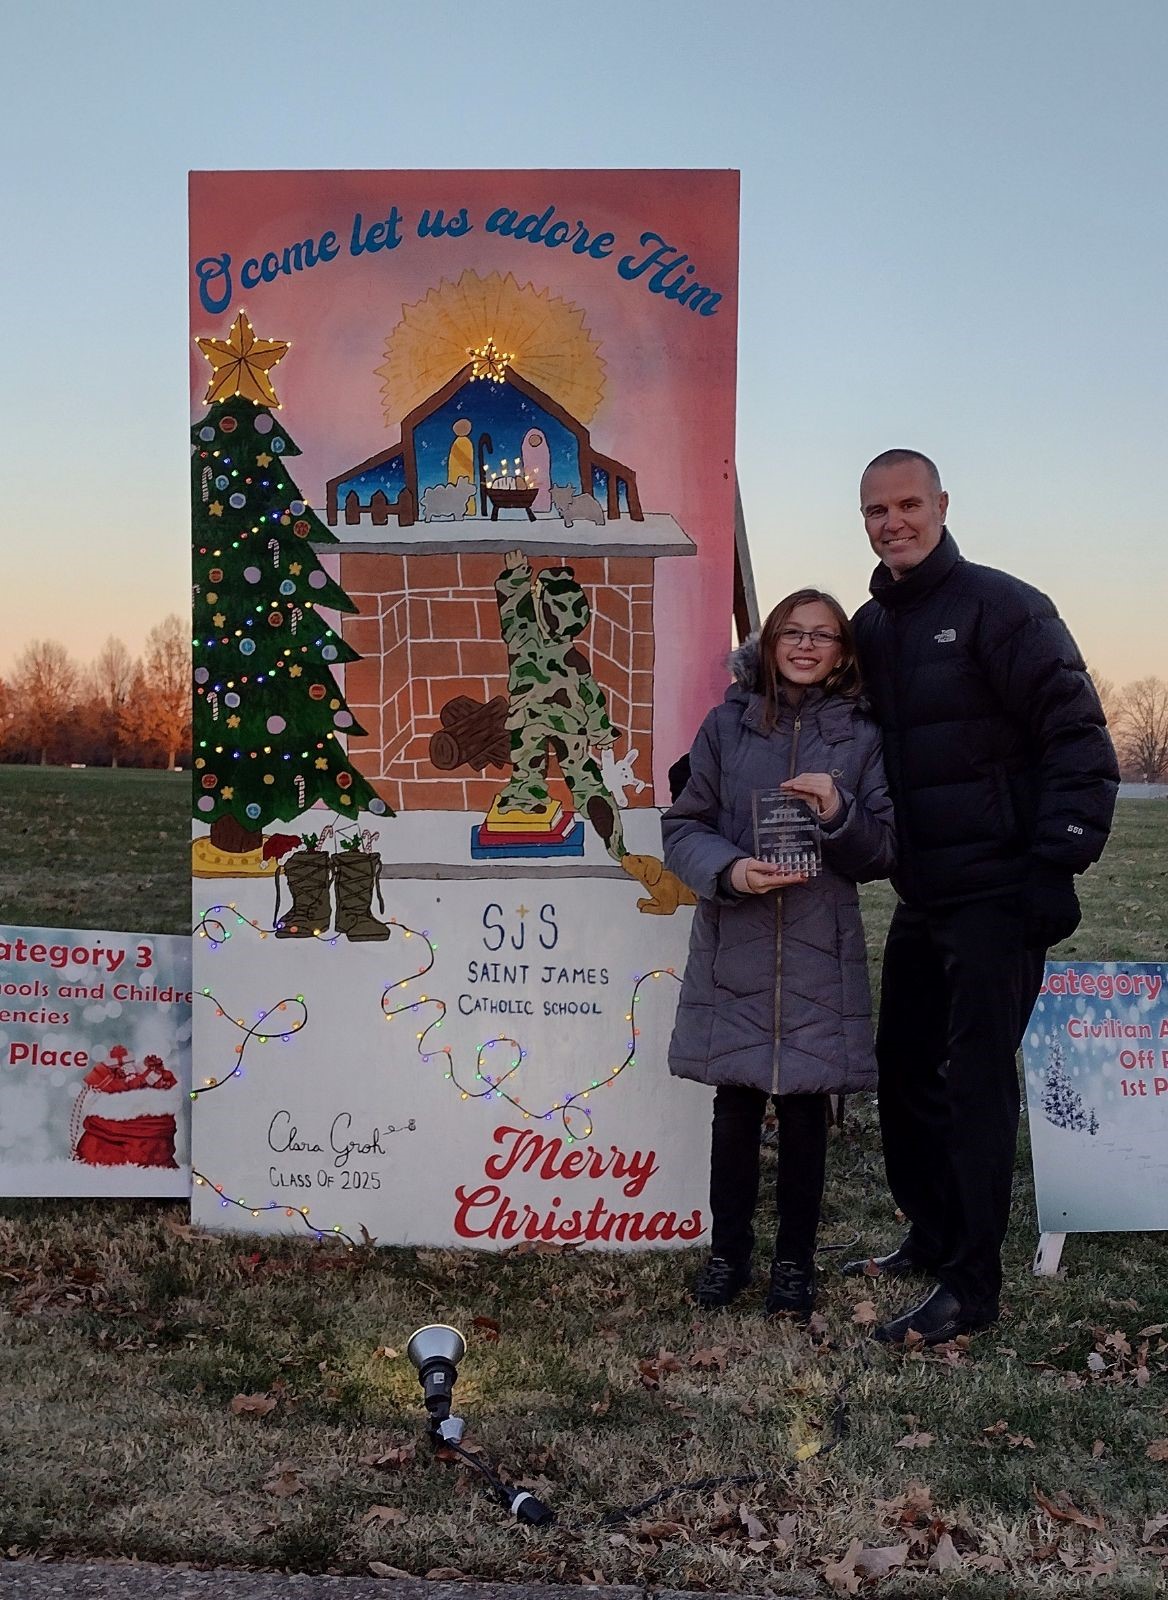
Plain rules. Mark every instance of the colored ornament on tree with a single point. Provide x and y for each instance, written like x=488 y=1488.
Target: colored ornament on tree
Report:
x=279 y=753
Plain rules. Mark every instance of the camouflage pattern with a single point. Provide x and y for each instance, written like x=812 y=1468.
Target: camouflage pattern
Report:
x=554 y=702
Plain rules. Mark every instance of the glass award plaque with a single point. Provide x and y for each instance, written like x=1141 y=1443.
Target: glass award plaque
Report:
x=786 y=832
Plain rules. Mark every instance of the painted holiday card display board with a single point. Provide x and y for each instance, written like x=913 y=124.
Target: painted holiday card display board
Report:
x=1096 y=1061
x=463 y=508
x=95 y=1062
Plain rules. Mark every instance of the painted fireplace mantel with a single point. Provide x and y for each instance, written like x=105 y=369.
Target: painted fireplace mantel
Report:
x=657 y=534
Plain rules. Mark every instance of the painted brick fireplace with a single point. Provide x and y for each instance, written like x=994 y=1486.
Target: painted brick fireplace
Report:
x=428 y=633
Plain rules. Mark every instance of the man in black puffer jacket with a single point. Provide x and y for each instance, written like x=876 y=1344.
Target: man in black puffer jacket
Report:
x=1004 y=781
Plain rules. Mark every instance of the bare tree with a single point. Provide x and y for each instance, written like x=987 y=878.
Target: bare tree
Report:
x=164 y=693
x=43 y=687
x=111 y=677
x=1142 y=729
x=7 y=713
x=1109 y=697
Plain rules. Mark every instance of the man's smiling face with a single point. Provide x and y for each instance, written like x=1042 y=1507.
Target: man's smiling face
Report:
x=904 y=512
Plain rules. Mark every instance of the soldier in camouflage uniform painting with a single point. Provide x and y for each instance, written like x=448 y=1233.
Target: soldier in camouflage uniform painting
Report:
x=554 y=702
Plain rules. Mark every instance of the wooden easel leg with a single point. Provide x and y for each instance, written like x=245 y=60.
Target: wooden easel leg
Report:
x=1046 y=1257
x=746 y=618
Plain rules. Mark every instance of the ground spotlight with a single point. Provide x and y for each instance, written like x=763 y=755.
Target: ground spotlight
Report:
x=436 y=1351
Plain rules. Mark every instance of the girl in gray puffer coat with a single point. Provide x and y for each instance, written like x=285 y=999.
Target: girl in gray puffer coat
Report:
x=775 y=997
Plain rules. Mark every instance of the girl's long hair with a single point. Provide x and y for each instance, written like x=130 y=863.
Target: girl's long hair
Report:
x=842 y=680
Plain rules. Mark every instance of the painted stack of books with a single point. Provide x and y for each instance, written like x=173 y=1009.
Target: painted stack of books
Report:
x=523 y=835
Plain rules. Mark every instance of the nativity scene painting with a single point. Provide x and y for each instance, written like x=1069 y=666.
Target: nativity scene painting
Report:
x=504 y=570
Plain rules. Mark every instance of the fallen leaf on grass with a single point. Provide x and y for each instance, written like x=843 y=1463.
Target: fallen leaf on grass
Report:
x=488 y=1327
x=754 y=1528
x=1097 y=1449
x=817 y=1326
x=841 y=1576
x=447 y=1575
x=381 y=1569
x=1157 y=1450
x=401 y=1456
x=661 y=1530
x=863 y=1561
x=986 y=1563
x=1151 y=1331
x=712 y=1356
x=284 y=1481
x=386 y=1352
x=1094 y=1568
x=682 y=1410
x=1154 y=1526
x=1096 y=1362
x=387 y=1516
x=252 y=1405
x=1064 y=1510
x=653 y=1369
x=915 y=1441
x=1001 y=1430
x=913 y=1506
x=944 y=1556
x=599 y=1408
x=877 y=1561
x=865 y=1314
x=192 y=1235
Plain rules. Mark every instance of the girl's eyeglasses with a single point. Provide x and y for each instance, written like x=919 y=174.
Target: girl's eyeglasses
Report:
x=817 y=636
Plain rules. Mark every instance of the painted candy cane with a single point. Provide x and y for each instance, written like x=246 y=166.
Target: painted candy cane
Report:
x=213 y=702
x=297 y=617
x=274 y=551
x=300 y=791
x=206 y=484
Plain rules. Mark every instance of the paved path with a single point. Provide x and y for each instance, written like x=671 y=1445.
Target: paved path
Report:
x=54 y=1580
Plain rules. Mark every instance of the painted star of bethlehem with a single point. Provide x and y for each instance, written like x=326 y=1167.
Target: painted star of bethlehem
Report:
x=241 y=364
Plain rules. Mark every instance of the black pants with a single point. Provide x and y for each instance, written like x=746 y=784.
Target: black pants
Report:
x=957 y=992
x=734 y=1162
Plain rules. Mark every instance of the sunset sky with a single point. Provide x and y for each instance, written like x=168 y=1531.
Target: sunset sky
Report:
x=953 y=238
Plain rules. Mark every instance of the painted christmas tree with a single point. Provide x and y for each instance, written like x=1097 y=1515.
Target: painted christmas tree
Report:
x=1061 y=1102
x=269 y=716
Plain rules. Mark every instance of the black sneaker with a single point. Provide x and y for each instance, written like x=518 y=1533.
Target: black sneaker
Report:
x=792 y=1291
x=720 y=1281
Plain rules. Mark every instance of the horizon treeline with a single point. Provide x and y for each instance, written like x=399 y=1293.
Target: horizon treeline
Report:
x=1137 y=716
x=118 y=710
x=125 y=711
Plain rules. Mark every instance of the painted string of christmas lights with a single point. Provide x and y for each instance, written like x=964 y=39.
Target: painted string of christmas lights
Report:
x=568 y=1104
x=300 y=1212
x=211 y=927
x=252 y=1031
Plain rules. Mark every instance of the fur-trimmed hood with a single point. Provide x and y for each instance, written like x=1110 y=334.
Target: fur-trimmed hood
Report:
x=744 y=665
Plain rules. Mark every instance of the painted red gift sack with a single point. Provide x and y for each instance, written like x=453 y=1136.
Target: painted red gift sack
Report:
x=136 y=1142
x=134 y=1128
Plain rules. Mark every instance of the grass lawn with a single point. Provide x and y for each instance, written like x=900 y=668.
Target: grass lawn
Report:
x=127 y=1339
